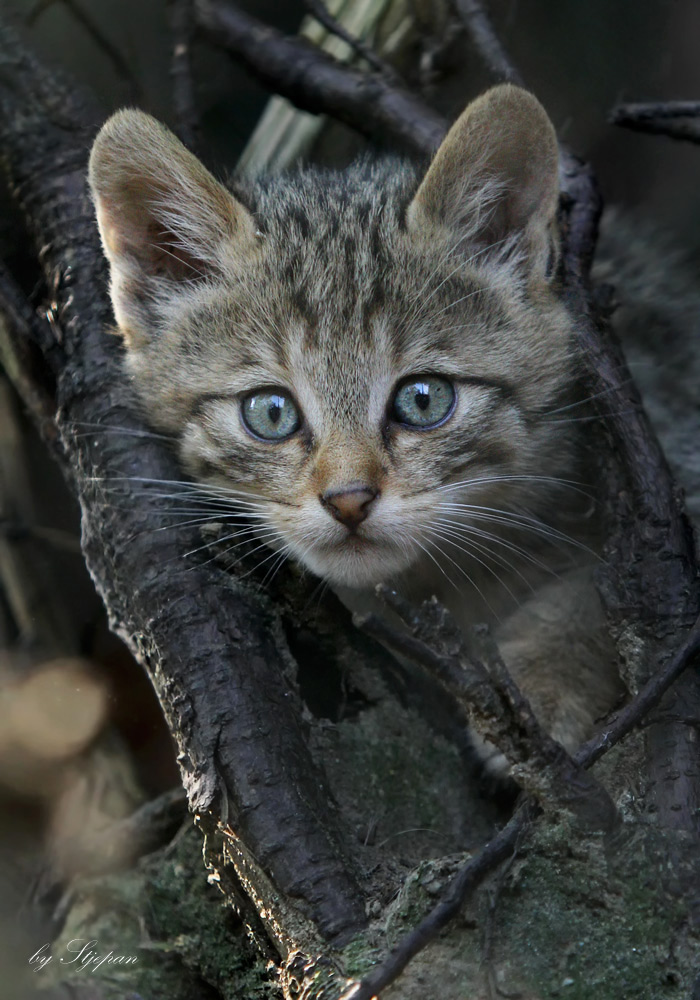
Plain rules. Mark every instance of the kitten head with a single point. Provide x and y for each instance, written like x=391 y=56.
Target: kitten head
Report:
x=353 y=357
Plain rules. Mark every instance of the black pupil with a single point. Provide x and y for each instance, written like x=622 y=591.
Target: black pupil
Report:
x=422 y=396
x=274 y=410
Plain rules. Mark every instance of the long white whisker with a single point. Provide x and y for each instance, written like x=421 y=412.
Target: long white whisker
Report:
x=458 y=529
x=468 y=546
x=188 y=488
x=459 y=568
x=242 y=533
x=518 y=521
x=481 y=480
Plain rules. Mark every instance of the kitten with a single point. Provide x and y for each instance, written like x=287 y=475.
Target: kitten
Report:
x=370 y=363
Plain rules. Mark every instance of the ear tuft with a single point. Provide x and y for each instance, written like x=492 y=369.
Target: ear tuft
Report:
x=164 y=220
x=495 y=178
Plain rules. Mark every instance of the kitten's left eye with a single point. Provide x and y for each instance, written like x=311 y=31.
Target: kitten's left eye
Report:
x=423 y=401
x=270 y=414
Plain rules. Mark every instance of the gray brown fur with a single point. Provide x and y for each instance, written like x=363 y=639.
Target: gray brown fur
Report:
x=335 y=287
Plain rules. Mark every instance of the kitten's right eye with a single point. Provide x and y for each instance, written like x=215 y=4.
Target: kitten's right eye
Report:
x=270 y=414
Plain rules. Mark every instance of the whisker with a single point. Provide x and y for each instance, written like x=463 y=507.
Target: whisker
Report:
x=242 y=534
x=595 y=416
x=94 y=428
x=458 y=527
x=481 y=480
x=521 y=522
x=460 y=569
x=588 y=399
x=468 y=547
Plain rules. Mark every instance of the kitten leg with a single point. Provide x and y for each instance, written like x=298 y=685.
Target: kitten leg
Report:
x=560 y=655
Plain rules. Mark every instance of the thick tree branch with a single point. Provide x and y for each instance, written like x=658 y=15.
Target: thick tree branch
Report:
x=213 y=649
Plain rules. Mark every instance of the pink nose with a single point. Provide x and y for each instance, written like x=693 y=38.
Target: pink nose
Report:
x=350 y=504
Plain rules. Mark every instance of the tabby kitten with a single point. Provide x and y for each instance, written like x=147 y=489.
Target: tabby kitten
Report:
x=370 y=364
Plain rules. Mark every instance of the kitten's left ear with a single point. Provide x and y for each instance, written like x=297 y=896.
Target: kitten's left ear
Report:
x=494 y=179
x=165 y=222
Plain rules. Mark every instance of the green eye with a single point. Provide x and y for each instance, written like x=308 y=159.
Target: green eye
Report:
x=423 y=401
x=270 y=414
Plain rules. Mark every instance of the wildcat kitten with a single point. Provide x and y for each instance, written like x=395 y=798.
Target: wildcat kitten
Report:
x=370 y=364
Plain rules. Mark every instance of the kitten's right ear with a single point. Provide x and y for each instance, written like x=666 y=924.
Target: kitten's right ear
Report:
x=495 y=180
x=165 y=222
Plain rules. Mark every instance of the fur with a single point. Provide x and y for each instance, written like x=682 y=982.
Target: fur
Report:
x=335 y=288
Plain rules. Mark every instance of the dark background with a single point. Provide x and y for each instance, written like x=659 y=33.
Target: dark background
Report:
x=579 y=56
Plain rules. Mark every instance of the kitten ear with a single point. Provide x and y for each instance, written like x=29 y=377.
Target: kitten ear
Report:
x=495 y=178
x=165 y=222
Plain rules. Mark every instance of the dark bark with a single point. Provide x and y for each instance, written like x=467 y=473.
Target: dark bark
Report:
x=213 y=650
x=676 y=119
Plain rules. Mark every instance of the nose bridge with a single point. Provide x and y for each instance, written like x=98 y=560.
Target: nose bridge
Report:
x=348 y=462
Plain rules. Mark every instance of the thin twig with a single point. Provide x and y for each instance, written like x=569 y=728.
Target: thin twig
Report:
x=487 y=948
x=660 y=118
x=318 y=9
x=624 y=721
x=655 y=109
x=182 y=29
x=487 y=42
x=20 y=331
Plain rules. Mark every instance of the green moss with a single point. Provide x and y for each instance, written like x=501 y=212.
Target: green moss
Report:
x=587 y=924
x=186 y=940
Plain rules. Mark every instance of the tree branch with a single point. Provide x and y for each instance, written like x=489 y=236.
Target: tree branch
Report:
x=313 y=81
x=213 y=649
x=469 y=666
x=660 y=118
x=487 y=42
x=320 y=12
x=182 y=29
x=460 y=889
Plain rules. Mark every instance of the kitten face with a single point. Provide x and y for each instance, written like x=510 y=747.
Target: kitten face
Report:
x=343 y=362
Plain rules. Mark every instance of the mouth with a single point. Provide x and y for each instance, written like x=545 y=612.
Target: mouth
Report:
x=352 y=543
x=356 y=560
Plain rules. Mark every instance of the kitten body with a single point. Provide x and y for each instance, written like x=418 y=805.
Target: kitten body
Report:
x=370 y=366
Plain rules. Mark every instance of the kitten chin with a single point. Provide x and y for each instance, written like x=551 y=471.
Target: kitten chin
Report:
x=357 y=564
